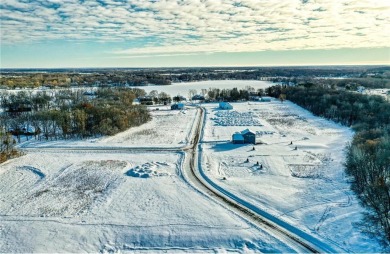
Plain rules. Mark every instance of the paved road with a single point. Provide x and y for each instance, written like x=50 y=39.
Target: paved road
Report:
x=295 y=238
x=292 y=236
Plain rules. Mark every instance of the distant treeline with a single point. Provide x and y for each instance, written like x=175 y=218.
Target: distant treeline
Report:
x=364 y=75
x=71 y=114
x=347 y=83
x=234 y=94
x=368 y=155
x=54 y=80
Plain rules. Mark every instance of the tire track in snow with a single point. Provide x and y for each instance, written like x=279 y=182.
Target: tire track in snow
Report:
x=299 y=240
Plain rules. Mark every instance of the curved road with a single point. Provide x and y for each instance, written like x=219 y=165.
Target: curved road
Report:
x=292 y=236
x=297 y=239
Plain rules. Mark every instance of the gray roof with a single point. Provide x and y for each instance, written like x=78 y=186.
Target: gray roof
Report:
x=247 y=131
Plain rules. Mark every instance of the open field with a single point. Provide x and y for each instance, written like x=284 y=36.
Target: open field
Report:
x=306 y=187
x=111 y=200
x=102 y=202
x=169 y=128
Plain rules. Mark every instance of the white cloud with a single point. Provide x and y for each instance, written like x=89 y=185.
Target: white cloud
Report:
x=186 y=26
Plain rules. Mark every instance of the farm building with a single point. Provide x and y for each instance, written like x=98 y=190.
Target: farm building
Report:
x=244 y=137
x=177 y=106
x=249 y=136
x=254 y=98
x=179 y=98
x=19 y=107
x=145 y=100
x=22 y=130
x=198 y=97
x=360 y=89
x=89 y=93
x=225 y=105
x=265 y=99
x=237 y=138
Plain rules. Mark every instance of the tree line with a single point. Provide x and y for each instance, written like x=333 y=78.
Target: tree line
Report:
x=369 y=76
x=368 y=155
x=65 y=114
x=234 y=94
x=12 y=80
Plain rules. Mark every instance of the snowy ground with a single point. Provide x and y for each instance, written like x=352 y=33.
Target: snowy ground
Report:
x=108 y=202
x=169 y=128
x=99 y=201
x=173 y=89
x=305 y=187
x=381 y=92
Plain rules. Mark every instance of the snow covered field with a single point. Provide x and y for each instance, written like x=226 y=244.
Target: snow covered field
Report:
x=169 y=128
x=305 y=187
x=109 y=202
x=381 y=92
x=64 y=200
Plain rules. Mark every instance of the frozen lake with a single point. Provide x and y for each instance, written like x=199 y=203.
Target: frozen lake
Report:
x=177 y=88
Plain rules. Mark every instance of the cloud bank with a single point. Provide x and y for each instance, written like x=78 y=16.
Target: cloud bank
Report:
x=199 y=26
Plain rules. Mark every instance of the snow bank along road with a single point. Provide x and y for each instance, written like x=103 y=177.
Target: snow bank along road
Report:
x=295 y=238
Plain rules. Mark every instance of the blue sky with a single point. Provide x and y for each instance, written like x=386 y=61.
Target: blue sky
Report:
x=141 y=33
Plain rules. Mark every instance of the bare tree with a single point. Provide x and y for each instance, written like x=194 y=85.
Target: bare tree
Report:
x=192 y=93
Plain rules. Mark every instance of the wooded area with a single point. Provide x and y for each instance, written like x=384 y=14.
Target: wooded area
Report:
x=76 y=113
x=368 y=76
x=368 y=155
x=64 y=114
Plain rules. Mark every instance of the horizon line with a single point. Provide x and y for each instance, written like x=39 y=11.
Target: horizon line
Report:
x=199 y=67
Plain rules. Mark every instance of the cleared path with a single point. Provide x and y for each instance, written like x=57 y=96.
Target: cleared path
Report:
x=192 y=170
x=294 y=237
